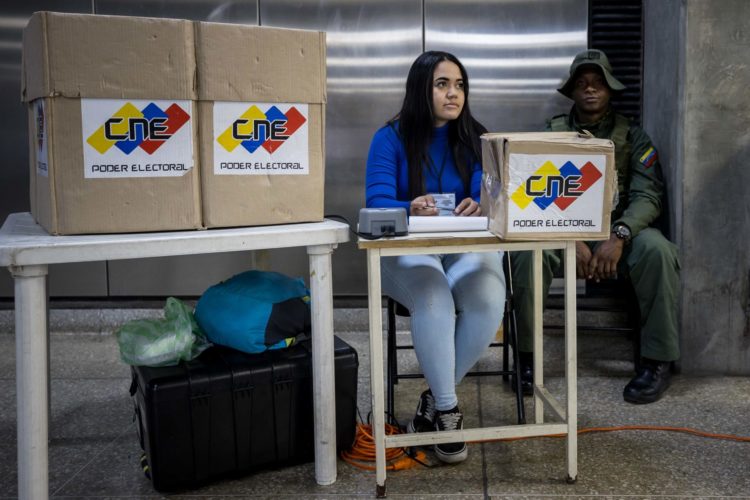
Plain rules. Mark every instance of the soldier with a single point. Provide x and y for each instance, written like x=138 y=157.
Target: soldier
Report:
x=634 y=249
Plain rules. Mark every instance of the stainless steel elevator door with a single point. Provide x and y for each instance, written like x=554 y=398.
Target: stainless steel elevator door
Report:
x=371 y=45
x=185 y=275
x=516 y=53
x=14 y=173
x=220 y=11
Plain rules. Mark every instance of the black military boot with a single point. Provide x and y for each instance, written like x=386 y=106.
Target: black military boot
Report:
x=526 y=362
x=650 y=383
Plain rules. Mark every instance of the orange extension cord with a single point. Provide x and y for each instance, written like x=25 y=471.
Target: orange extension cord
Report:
x=684 y=430
x=363 y=450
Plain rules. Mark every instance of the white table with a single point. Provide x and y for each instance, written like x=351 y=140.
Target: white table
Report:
x=476 y=241
x=26 y=249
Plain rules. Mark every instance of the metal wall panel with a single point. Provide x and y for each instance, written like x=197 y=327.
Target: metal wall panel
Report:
x=371 y=45
x=240 y=12
x=14 y=179
x=188 y=275
x=515 y=51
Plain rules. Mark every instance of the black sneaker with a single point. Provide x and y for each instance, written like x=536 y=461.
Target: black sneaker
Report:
x=424 y=419
x=451 y=420
x=526 y=367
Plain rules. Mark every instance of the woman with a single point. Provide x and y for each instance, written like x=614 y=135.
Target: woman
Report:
x=456 y=300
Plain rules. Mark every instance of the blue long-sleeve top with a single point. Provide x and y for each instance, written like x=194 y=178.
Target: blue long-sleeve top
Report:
x=387 y=178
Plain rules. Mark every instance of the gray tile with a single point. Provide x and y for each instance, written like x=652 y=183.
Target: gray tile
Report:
x=632 y=462
x=8 y=357
x=94 y=450
x=86 y=356
x=79 y=355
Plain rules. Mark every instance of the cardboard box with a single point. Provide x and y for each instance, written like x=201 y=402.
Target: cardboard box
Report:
x=548 y=185
x=112 y=111
x=262 y=121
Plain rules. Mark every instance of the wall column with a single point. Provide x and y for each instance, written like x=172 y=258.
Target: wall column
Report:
x=696 y=108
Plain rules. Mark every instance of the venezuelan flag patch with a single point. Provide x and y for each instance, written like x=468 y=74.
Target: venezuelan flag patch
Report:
x=649 y=157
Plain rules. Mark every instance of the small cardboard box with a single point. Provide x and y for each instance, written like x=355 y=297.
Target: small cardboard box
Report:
x=548 y=185
x=262 y=120
x=111 y=108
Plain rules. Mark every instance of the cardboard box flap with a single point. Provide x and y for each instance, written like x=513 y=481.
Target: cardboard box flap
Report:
x=260 y=64
x=94 y=56
x=34 y=75
x=556 y=137
x=497 y=143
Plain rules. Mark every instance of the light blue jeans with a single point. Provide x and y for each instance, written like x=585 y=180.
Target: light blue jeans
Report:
x=456 y=303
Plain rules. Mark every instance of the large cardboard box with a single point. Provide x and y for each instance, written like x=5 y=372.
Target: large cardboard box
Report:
x=112 y=108
x=262 y=121
x=548 y=185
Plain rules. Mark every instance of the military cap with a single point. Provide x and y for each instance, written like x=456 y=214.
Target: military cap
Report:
x=590 y=57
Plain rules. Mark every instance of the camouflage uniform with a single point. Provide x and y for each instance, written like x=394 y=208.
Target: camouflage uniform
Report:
x=649 y=259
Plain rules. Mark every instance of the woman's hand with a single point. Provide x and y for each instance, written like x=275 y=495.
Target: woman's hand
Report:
x=423 y=205
x=468 y=207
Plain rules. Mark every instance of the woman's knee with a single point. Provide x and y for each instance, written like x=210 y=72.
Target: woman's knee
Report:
x=481 y=289
x=415 y=282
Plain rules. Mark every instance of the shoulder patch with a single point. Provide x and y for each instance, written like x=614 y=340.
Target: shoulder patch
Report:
x=649 y=157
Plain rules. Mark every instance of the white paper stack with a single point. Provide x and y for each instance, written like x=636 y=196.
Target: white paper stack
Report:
x=422 y=224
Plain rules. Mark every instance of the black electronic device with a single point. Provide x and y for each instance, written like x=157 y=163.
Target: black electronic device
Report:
x=377 y=222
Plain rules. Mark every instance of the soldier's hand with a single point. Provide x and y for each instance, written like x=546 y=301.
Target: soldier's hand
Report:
x=583 y=256
x=603 y=264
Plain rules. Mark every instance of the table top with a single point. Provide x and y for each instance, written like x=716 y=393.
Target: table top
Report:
x=23 y=242
x=455 y=239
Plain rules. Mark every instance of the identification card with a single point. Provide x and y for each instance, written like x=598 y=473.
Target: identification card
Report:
x=445 y=203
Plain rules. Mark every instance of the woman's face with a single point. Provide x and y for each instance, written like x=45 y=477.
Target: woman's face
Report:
x=447 y=93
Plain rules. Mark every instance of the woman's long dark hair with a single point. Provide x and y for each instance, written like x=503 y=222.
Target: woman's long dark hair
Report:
x=416 y=123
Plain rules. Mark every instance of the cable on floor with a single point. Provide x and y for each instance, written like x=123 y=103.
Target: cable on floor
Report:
x=588 y=430
x=362 y=452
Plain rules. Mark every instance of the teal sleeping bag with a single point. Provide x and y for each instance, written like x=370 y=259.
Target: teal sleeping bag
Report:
x=255 y=311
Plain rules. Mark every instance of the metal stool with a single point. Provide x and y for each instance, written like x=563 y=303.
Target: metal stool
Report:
x=510 y=339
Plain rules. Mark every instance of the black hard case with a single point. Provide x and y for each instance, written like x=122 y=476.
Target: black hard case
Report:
x=227 y=413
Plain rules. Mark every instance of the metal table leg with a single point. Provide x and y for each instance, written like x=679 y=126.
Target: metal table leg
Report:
x=571 y=333
x=538 y=336
x=31 y=381
x=376 y=367
x=324 y=403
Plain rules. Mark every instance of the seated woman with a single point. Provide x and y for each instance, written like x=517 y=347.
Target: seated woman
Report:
x=456 y=300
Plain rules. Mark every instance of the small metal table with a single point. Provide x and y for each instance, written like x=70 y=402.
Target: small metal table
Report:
x=476 y=241
x=26 y=250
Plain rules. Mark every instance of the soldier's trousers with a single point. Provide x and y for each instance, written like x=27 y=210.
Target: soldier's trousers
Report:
x=651 y=263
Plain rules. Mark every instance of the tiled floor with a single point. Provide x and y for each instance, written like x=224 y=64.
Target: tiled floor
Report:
x=94 y=450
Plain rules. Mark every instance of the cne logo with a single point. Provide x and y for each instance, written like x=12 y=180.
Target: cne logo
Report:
x=130 y=128
x=255 y=129
x=561 y=186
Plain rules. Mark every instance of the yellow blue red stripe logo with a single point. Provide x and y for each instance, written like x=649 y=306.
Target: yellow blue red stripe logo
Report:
x=130 y=127
x=561 y=186
x=649 y=157
x=255 y=128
